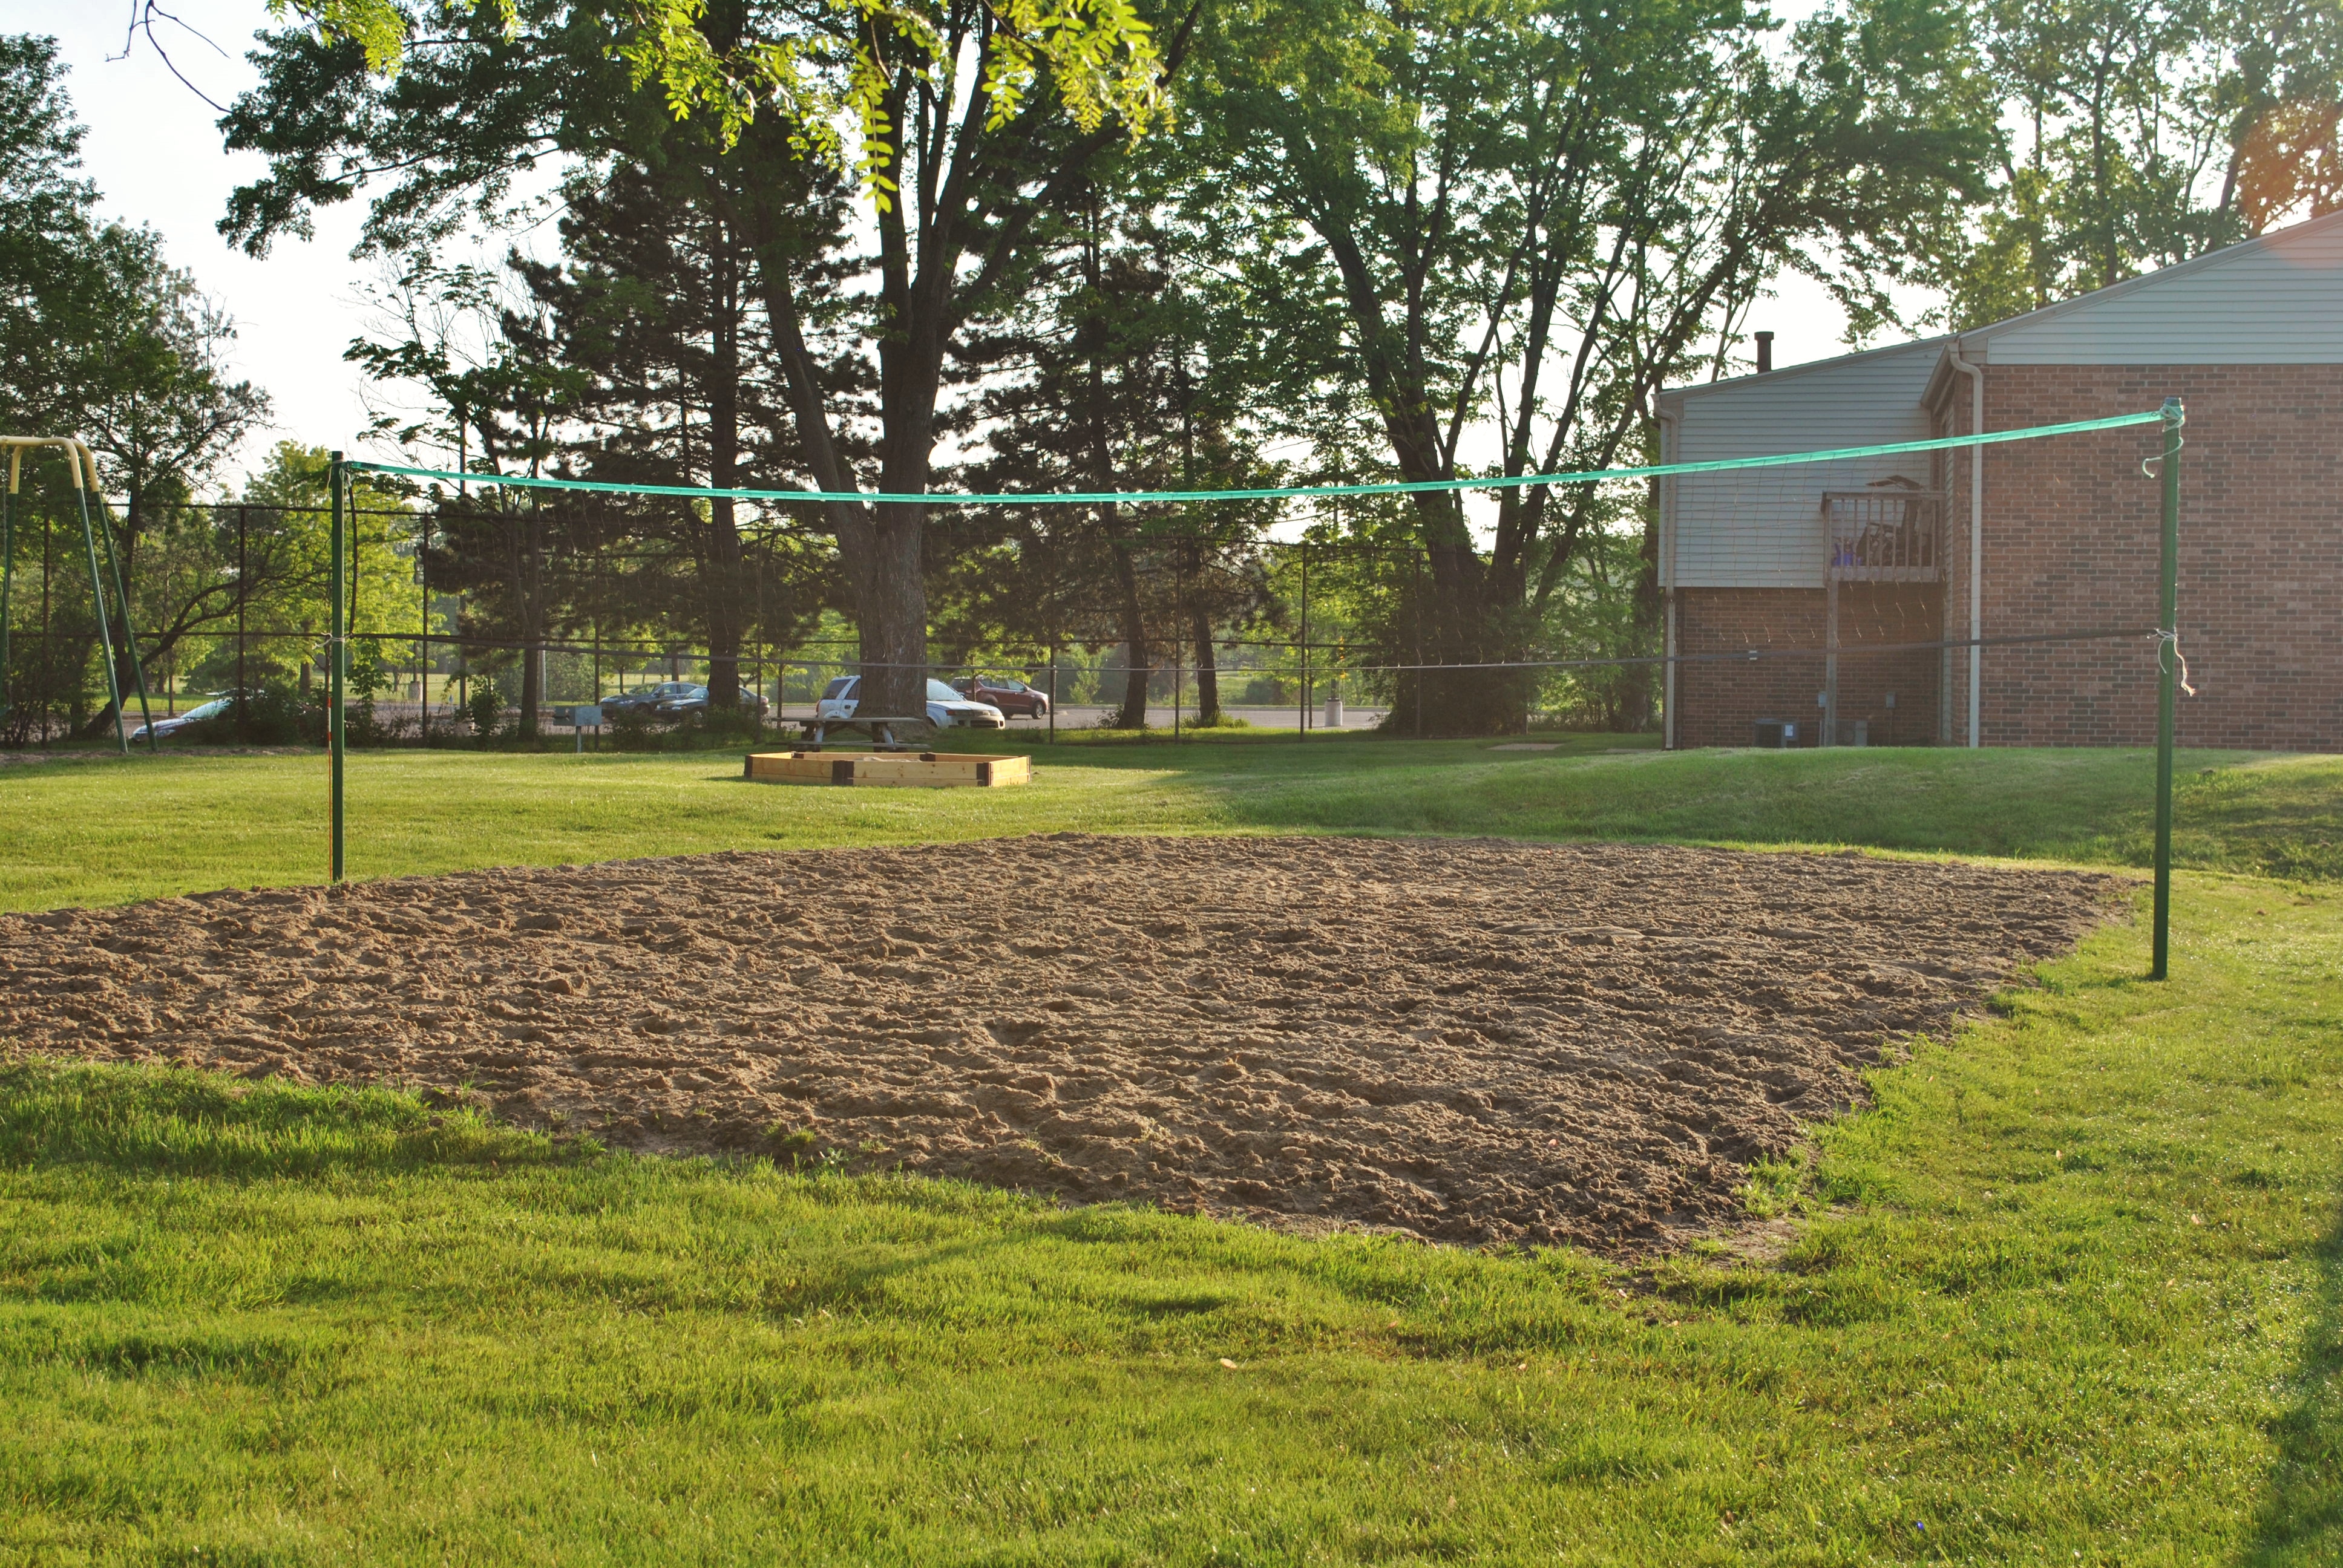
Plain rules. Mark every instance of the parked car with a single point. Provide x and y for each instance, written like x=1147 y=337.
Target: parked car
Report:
x=694 y=699
x=165 y=729
x=1011 y=696
x=947 y=709
x=645 y=698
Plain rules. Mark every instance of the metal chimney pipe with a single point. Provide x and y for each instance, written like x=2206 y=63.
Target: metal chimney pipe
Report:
x=1764 y=352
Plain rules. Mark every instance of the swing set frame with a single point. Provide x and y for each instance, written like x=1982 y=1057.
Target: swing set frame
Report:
x=83 y=464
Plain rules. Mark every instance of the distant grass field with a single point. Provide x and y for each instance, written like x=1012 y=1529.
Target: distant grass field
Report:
x=100 y=832
x=2072 y=1292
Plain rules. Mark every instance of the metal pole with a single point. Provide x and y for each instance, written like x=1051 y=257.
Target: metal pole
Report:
x=1053 y=693
x=335 y=661
x=423 y=627
x=7 y=567
x=242 y=599
x=2168 y=658
x=1303 y=685
x=97 y=594
x=49 y=649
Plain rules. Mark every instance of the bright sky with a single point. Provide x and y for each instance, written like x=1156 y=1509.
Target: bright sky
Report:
x=155 y=153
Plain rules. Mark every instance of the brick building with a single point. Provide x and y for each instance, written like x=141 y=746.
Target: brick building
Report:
x=1812 y=565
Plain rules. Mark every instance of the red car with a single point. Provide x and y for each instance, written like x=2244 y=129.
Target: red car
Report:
x=1013 y=697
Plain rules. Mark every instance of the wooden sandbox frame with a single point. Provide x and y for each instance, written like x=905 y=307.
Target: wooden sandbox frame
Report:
x=917 y=769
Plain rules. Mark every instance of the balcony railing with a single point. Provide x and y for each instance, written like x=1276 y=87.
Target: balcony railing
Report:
x=1890 y=533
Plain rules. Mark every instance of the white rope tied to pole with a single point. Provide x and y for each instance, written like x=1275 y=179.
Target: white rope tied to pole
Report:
x=2170 y=641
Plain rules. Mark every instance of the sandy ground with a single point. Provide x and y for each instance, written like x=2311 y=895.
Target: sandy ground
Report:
x=1472 y=1040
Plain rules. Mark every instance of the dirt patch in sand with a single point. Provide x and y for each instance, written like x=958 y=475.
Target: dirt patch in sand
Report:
x=1472 y=1040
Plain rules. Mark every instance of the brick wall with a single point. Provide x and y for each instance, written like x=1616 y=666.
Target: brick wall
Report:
x=1719 y=700
x=2071 y=530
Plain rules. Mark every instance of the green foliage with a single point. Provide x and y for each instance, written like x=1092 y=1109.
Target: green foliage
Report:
x=485 y=709
x=2141 y=135
x=635 y=730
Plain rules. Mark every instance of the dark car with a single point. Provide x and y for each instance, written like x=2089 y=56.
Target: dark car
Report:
x=1012 y=697
x=694 y=699
x=645 y=698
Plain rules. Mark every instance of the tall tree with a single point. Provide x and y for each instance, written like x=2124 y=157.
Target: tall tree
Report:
x=1105 y=377
x=2142 y=133
x=1506 y=226
x=958 y=166
x=480 y=356
x=103 y=338
x=653 y=303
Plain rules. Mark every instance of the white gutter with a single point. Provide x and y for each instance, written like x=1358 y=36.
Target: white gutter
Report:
x=1667 y=498
x=1976 y=529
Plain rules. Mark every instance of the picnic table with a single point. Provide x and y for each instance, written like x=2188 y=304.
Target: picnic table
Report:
x=880 y=729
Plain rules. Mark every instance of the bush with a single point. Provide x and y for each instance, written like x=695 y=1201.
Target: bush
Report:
x=363 y=725
x=485 y=709
x=635 y=730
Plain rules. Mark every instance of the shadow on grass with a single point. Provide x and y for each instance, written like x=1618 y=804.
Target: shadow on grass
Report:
x=2302 y=1518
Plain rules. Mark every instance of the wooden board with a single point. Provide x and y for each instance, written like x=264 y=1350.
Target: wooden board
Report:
x=917 y=769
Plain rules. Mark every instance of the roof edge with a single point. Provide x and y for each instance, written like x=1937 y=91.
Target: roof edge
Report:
x=2205 y=263
x=1946 y=342
x=1811 y=367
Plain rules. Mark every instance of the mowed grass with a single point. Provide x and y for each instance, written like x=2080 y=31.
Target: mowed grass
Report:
x=103 y=831
x=2071 y=1292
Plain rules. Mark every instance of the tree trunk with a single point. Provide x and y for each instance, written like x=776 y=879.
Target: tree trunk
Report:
x=1140 y=667
x=895 y=615
x=1641 y=683
x=1208 y=672
x=529 y=581
x=721 y=564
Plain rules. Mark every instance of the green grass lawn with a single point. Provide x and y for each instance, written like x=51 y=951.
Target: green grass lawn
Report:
x=100 y=832
x=2072 y=1292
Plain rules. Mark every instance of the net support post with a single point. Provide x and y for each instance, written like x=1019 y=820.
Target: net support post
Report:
x=2167 y=652
x=335 y=665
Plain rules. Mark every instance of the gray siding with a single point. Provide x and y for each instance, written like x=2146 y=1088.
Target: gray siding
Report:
x=1762 y=527
x=2278 y=300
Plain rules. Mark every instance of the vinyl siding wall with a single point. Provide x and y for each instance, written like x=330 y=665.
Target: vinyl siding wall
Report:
x=1763 y=527
x=2280 y=302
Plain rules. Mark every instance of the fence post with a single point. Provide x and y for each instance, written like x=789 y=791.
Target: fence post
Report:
x=243 y=600
x=2168 y=658
x=1302 y=680
x=335 y=663
x=8 y=567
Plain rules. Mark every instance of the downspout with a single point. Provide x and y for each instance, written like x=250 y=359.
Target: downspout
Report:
x=1975 y=373
x=1668 y=417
